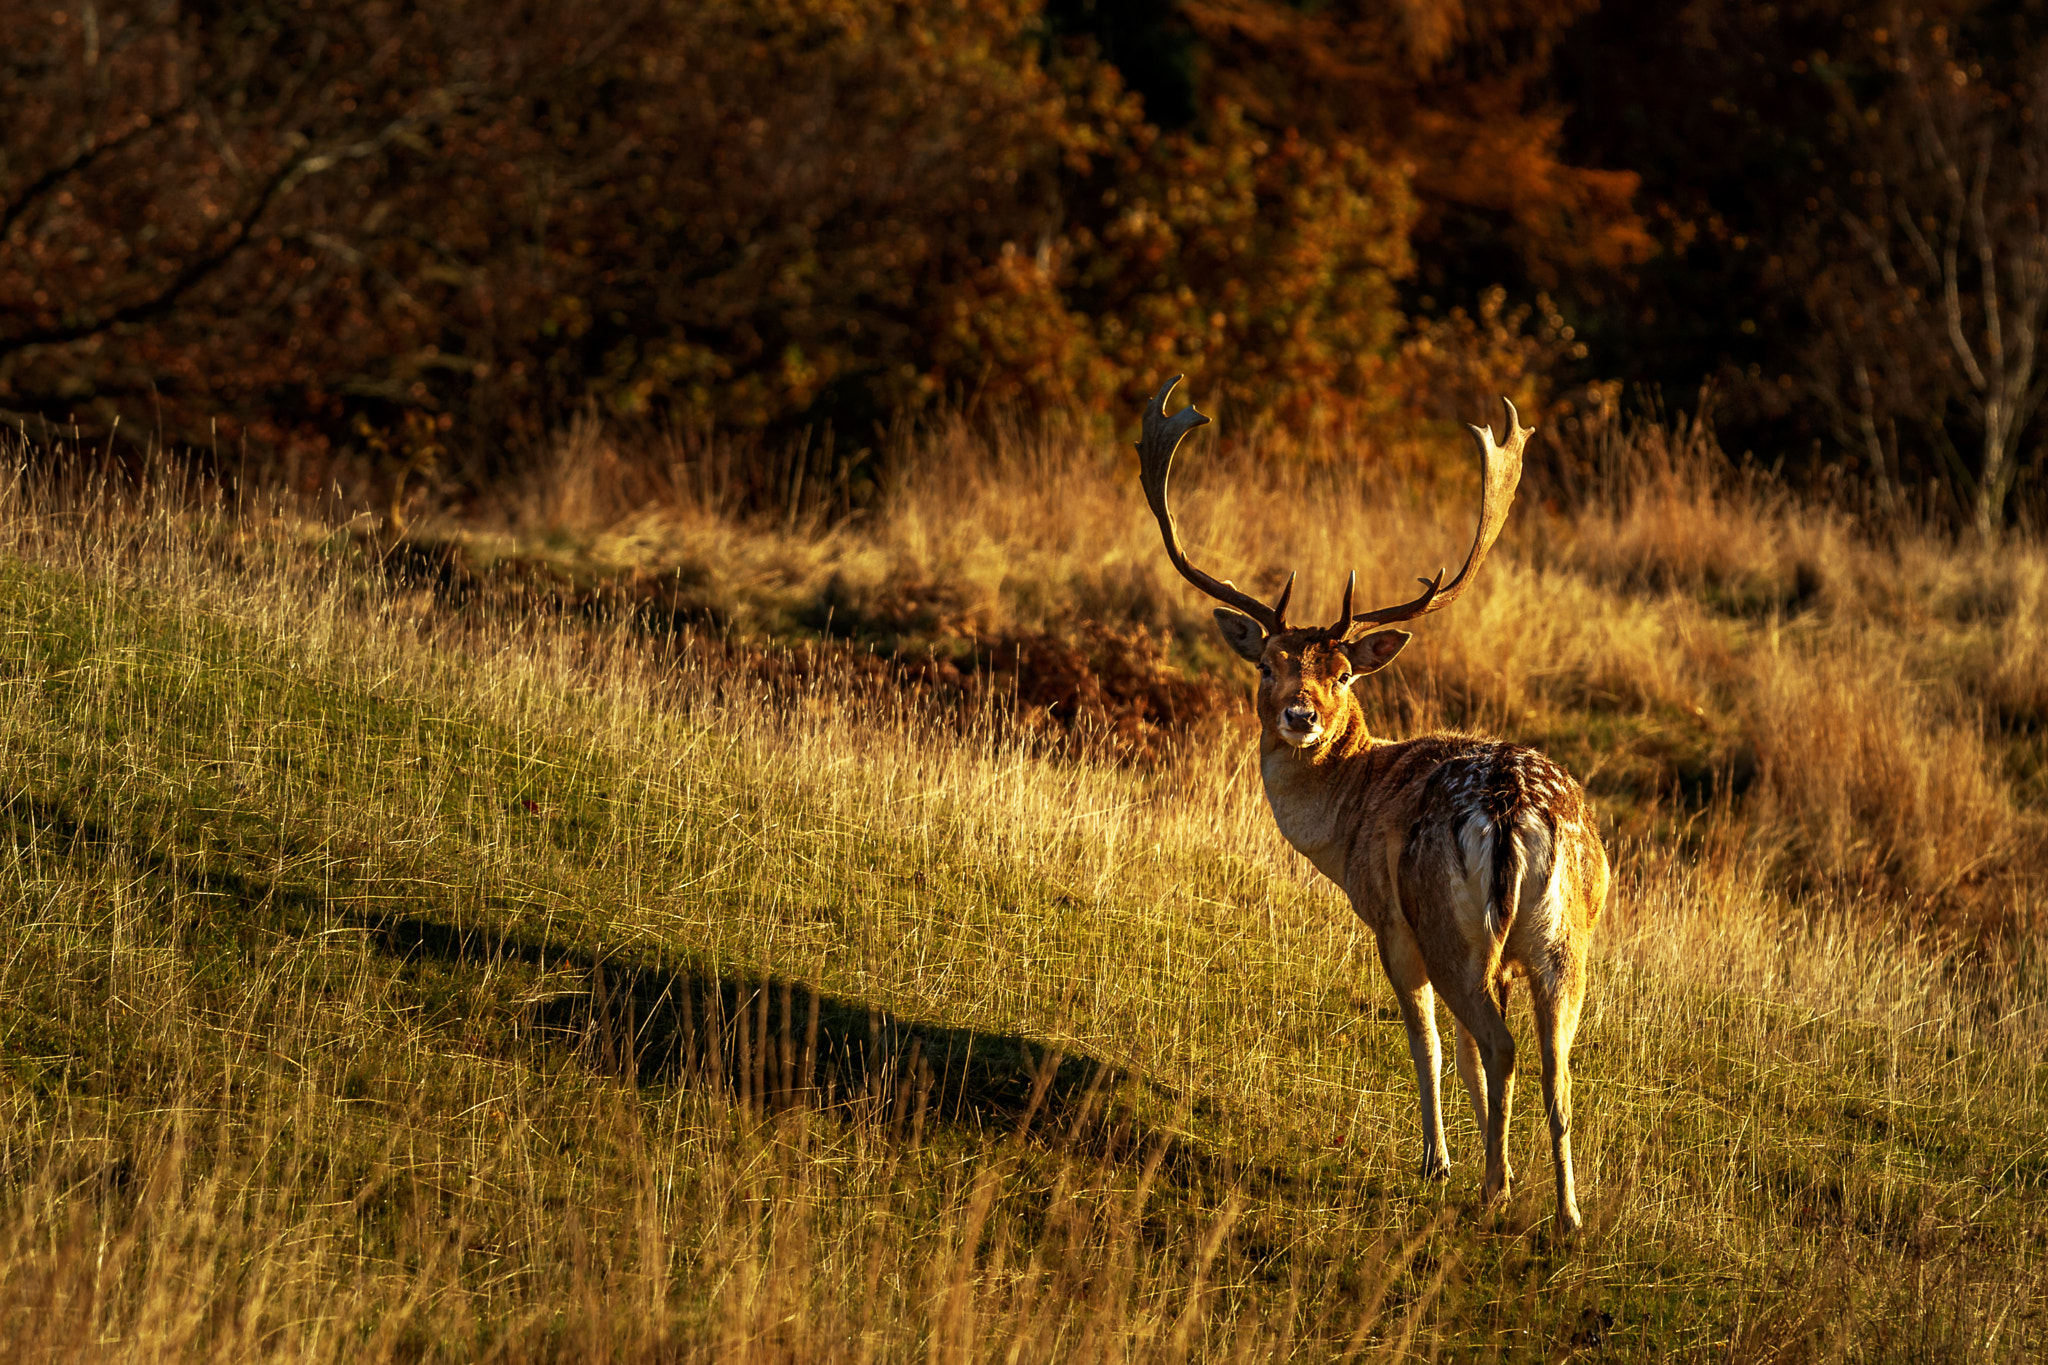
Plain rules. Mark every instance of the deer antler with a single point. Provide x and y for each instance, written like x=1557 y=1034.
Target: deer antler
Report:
x=1158 y=438
x=1500 y=471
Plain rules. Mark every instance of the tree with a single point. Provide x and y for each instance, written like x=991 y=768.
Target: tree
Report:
x=1934 y=301
x=256 y=214
x=1458 y=94
x=362 y=234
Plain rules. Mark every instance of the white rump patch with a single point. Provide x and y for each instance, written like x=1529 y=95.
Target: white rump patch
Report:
x=1542 y=879
x=1475 y=848
x=1475 y=842
x=1534 y=837
x=1545 y=879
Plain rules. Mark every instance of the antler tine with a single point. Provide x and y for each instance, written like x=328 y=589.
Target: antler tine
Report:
x=1344 y=615
x=1159 y=436
x=1405 y=611
x=1500 y=471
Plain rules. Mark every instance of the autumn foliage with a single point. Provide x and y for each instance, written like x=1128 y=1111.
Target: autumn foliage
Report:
x=373 y=233
x=399 y=245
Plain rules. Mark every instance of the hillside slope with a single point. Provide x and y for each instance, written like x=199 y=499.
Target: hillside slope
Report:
x=383 y=984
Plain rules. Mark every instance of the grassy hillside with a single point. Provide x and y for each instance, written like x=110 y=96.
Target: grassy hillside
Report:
x=391 y=980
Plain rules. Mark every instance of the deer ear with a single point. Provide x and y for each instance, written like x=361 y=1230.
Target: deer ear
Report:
x=1376 y=650
x=1242 y=634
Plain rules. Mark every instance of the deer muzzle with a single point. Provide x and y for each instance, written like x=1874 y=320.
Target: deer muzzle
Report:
x=1299 y=725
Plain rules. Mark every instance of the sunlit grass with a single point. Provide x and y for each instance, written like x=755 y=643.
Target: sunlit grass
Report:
x=1688 y=637
x=385 y=982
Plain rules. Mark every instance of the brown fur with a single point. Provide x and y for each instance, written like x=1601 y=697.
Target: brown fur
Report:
x=1390 y=823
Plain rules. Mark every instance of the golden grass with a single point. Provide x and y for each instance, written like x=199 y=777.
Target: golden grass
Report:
x=390 y=983
x=1872 y=705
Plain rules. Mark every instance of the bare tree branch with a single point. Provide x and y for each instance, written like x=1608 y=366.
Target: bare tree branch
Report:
x=80 y=160
x=1953 y=212
x=231 y=239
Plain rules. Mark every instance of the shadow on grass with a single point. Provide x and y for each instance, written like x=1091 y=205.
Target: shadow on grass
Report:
x=768 y=1042
x=763 y=1042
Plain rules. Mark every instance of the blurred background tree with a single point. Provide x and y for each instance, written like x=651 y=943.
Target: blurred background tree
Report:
x=402 y=244
x=1800 y=161
x=1931 y=293
x=303 y=229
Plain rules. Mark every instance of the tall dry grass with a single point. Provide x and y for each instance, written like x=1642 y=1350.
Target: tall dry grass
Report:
x=266 y=1100
x=1869 y=699
x=398 y=981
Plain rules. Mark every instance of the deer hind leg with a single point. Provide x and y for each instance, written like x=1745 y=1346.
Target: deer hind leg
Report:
x=1557 y=1000
x=1410 y=980
x=1470 y=1072
x=1481 y=1009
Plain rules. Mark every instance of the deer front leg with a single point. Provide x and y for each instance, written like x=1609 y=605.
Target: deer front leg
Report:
x=1410 y=980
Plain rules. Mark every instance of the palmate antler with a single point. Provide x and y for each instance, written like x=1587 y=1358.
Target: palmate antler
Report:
x=1158 y=438
x=1500 y=472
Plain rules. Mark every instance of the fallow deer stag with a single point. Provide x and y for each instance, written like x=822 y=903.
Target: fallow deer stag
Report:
x=1473 y=862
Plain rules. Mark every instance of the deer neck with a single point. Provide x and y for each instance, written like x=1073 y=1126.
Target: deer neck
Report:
x=1305 y=788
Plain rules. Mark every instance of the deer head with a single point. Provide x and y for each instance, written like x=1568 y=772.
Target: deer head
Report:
x=1306 y=672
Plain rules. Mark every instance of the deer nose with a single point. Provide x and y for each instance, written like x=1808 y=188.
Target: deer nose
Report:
x=1298 y=718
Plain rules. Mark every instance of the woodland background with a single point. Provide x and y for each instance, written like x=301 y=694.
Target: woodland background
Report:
x=378 y=246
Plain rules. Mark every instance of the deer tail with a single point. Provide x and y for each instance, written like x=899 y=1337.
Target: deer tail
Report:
x=1510 y=868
